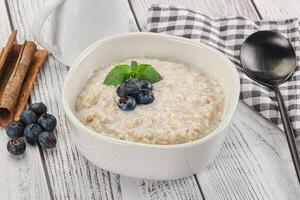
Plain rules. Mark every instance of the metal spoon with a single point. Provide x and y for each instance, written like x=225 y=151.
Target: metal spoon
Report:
x=269 y=58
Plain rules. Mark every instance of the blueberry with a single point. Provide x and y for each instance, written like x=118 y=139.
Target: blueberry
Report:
x=47 y=122
x=28 y=117
x=16 y=146
x=145 y=97
x=39 y=108
x=145 y=85
x=47 y=140
x=127 y=103
x=131 y=87
x=121 y=91
x=15 y=129
x=32 y=132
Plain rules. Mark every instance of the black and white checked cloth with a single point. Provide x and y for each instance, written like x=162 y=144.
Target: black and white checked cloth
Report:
x=227 y=35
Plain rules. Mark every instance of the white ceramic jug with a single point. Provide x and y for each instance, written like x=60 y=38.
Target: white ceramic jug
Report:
x=75 y=24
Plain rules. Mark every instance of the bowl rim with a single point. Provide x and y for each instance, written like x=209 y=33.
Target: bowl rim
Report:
x=223 y=124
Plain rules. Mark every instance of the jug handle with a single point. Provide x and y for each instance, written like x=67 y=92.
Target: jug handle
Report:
x=38 y=22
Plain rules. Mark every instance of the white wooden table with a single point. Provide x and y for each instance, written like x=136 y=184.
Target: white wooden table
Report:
x=254 y=162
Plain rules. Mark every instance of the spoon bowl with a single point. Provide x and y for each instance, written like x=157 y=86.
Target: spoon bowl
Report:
x=268 y=57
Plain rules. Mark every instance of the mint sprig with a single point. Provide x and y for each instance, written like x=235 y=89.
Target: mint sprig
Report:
x=121 y=73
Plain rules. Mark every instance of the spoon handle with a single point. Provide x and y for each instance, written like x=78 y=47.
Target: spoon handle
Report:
x=289 y=132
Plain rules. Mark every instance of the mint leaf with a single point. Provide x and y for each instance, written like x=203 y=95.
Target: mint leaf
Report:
x=147 y=72
x=118 y=75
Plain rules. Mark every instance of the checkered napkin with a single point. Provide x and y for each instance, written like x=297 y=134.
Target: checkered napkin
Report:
x=227 y=35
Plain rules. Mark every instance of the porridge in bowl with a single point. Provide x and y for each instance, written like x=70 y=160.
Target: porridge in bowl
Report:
x=184 y=104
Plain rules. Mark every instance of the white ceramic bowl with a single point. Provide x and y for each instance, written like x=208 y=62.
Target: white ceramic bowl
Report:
x=148 y=160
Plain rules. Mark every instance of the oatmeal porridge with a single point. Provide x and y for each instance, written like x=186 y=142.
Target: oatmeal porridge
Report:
x=188 y=105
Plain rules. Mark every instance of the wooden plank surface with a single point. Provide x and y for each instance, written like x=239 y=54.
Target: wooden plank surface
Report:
x=254 y=162
x=278 y=9
x=21 y=178
x=139 y=189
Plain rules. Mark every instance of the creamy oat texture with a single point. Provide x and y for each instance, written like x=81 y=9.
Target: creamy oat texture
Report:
x=188 y=105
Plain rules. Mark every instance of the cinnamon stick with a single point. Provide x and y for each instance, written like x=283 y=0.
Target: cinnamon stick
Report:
x=5 y=51
x=35 y=66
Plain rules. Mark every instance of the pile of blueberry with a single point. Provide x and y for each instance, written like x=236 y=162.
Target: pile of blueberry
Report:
x=36 y=125
x=133 y=92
